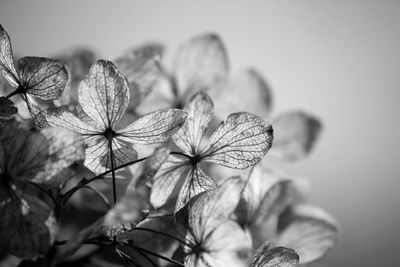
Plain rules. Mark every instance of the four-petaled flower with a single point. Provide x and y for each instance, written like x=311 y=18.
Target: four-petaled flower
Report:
x=239 y=142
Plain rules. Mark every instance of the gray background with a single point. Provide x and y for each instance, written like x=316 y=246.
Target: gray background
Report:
x=337 y=59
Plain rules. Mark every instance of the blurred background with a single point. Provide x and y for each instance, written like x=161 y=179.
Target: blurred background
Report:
x=336 y=59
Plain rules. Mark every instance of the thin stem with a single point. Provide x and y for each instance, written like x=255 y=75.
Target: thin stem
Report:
x=99 y=193
x=160 y=233
x=15 y=92
x=180 y=153
x=153 y=254
x=126 y=260
x=112 y=169
x=45 y=191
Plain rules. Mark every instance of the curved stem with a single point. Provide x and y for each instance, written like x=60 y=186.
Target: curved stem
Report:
x=112 y=169
x=160 y=233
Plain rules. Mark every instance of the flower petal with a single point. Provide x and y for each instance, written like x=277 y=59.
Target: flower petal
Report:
x=200 y=112
x=141 y=67
x=166 y=179
x=274 y=257
x=295 y=134
x=104 y=94
x=156 y=127
x=61 y=117
x=247 y=91
x=308 y=230
x=42 y=77
x=196 y=182
x=7 y=109
x=6 y=59
x=200 y=64
x=240 y=142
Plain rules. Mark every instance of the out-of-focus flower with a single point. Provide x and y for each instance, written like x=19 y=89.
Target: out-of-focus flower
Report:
x=239 y=142
x=28 y=225
x=104 y=97
x=272 y=208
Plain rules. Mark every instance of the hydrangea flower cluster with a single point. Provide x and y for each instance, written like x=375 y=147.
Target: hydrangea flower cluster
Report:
x=79 y=131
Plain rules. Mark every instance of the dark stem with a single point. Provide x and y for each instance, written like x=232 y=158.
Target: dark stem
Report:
x=15 y=92
x=153 y=254
x=112 y=169
x=160 y=233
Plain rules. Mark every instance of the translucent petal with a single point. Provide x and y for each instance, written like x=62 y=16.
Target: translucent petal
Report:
x=7 y=109
x=295 y=134
x=200 y=112
x=239 y=142
x=166 y=179
x=308 y=230
x=196 y=182
x=42 y=77
x=141 y=67
x=61 y=117
x=200 y=64
x=247 y=91
x=6 y=59
x=104 y=94
x=274 y=257
x=27 y=226
x=156 y=127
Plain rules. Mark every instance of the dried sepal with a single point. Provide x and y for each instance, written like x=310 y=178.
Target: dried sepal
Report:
x=274 y=257
x=7 y=109
x=42 y=77
x=239 y=142
x=309 y=230
x=200 y=64
x=7 y=60
x=295 y=134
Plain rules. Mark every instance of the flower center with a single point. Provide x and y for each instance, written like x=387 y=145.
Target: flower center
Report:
x=109 y=133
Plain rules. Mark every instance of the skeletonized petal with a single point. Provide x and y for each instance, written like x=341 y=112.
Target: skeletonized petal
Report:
x=274 y=257
x=141 y=68
x=200 y=112
x=247 y=91
x=196 y=182
x=7 y=109
x=166 y=179
x=308 y=230
x=63 y=118
x=42 y=77
x=295 y=134
x=239 y=142
x=6 y=59
x=200 y=64
x=156 y=127
x=104 y=94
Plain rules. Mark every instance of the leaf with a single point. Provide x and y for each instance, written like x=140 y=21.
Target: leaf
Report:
x=274 y=257
x=240 y=142
x=141 y=67
x=247 y=91
x=200 y=64
x=7 y=109
x=196 y=182
x=6 y=59
x=200 y=112
x=166 y=179
x=295 y=134
x=308 y=230
x=42 y=77
x=104 y=94
x=156 y=127
x=28 y=226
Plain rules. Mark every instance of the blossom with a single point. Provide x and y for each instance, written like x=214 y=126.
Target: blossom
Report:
x=28 y=225
x=239 y=142
x=103 y=97
x=274 y=211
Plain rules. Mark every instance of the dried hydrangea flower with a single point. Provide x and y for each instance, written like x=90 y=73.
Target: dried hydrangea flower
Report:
x=239 y=142
x=274 y=257
x=28 y=225
x=38 y=77
x=270 y=208
x=213 y=237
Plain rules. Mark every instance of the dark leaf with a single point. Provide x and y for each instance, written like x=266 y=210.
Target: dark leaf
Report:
x=7 y=109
